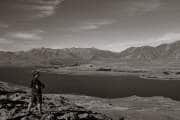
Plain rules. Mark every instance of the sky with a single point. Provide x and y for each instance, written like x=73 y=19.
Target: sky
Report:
x=104 y=24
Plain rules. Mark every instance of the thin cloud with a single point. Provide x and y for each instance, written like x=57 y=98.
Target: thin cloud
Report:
x=5 y=41
x=41 y=8
x=2 y=25
x=88 y=27
x=164 y=39
x=141 y=7
x=26 y=36
x=92 y=25
x=47 y=8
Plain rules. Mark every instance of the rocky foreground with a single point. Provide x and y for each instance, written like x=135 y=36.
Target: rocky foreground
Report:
x=14 y=101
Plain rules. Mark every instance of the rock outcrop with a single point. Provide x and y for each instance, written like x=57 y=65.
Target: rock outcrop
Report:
x=13 y=106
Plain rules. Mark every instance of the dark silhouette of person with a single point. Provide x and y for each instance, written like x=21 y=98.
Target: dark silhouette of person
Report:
x=36 y=92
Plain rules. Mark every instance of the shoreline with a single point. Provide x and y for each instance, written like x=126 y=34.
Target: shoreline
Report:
x=145 y=75
x=153 y=74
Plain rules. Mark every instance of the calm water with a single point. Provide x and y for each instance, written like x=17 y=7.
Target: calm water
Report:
x=95 y=85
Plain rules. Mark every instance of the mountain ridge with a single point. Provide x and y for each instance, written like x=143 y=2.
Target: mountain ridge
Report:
x=77 y=56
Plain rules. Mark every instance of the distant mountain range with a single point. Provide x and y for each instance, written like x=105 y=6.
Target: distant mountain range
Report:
x=164 y=53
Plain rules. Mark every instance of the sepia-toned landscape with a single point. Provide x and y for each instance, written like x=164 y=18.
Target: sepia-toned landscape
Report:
x=89 y=60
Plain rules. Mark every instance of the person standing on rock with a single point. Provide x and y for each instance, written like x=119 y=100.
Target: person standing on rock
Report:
x=36 y=92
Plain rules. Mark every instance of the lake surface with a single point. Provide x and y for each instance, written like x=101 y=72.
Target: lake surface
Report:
x=95 y=85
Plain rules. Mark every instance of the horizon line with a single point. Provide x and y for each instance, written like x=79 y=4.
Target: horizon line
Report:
x=42 y=47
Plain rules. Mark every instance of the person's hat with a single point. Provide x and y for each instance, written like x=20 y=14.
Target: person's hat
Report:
x=35 y=73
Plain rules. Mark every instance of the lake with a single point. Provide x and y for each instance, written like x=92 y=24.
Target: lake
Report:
x=95 y=85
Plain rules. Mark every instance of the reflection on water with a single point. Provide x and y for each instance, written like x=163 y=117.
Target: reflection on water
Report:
x=95 y=85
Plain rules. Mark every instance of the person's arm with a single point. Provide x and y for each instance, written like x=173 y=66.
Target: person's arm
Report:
x=41 y=84
x=31 y=86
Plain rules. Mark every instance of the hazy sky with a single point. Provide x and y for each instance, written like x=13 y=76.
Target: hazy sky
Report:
x=104 y=24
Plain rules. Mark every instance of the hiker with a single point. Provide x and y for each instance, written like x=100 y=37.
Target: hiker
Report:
x=36 y=91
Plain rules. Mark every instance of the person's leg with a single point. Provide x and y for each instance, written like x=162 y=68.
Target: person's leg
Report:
x=29 y=107
x=31 y=103
x=39 y=107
